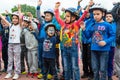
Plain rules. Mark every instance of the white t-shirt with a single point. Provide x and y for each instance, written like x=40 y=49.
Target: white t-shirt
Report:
x=14 y=34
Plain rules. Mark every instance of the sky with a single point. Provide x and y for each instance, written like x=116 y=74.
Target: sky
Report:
x=49 y=4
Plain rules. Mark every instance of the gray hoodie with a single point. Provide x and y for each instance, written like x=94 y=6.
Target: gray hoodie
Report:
x=30 y=40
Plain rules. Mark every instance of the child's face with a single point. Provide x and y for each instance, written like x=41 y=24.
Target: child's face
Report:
x=48 y=17
x=25 y=24
x=109 y=17
x=98 y=15
x=15 y=20
x=51 y=31
x=67 y=17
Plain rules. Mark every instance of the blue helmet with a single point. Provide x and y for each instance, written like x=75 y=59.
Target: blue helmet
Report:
x=73 y=11
x=49 y=24
x=49 y=11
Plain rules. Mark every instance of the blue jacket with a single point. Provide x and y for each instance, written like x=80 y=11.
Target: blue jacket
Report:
x=100 y=32
x=42 y=33
x=88 y=22
x=113 y=24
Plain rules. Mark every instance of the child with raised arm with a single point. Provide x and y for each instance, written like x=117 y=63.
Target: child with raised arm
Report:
x=14 y=48
x=102 y=35
x=69 y=37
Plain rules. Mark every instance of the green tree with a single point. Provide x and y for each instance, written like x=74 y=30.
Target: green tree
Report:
x=25 y=8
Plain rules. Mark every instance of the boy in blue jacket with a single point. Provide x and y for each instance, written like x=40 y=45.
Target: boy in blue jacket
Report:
x=49 y=18
x=109 y=18
x=102 y=35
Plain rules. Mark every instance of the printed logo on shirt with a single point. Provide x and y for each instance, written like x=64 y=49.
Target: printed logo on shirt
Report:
x=98 y=34
x=47 y=45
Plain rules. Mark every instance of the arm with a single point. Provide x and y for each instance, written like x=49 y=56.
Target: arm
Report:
x=38 y=12
x=3 y=18
x=57 y=15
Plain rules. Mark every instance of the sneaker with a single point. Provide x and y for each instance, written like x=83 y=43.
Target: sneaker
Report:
x=49 y=76
x=9 y=75
x=16 y=76
x=4 y=70
x=24 y=72
x=40 y=76
x=35 y=74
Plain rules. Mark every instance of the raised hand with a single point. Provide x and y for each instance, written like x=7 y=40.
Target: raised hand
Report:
x=91 y=3
x=79 y=2
x=57 y=5
x=39 y=2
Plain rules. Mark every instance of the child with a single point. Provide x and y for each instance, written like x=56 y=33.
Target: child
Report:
x=49 y=17
x=5 y=36
x=102 y=35
x=109 y=18
x=14 y=48
x=31 y=45
x=23 y=47
x=69 y=38
x=49 y=54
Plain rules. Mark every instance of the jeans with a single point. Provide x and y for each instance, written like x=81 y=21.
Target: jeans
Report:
x=99 y=64
x=70 y=61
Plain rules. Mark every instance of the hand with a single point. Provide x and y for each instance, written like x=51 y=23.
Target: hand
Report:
x=79 y=2
x=19 y=7
x=30 y=28
x=6 y=12
x=39 y=2
x=57 y=5
x=101 y=43
x=91 y=3
x=82 y=25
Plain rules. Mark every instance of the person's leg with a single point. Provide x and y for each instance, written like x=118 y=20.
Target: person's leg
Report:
x=103 y=64
x=10 y=58
x=95 y=64
x=29 y=56
x=74 y=60
x=34 y=65
x=117 y=61
x=5 y=56
x=67 y=64
x=57 y=59
x=85 y=60
x=22 y=59
x=110 y=62
x=17 y=58
x=46 y=67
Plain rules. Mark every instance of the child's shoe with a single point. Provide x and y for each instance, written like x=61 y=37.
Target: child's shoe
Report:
x=9 y=75
x=24 y=72
x=49 y=76
x=16 y=76
x=40 y=76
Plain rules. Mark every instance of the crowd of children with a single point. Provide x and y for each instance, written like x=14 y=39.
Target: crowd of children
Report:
x=42 y=41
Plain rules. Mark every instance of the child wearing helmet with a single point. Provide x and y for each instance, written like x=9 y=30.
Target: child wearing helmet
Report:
x=109 y=18
x=26 y=23
x=102 y=35
x=49 y=17
x=31 y=44
x=69 y=38
x=14 y=48
x=49 y=55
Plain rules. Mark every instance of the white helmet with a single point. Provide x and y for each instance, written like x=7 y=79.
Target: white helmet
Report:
x=98 y=6
x=15 y=13
x=26 y=18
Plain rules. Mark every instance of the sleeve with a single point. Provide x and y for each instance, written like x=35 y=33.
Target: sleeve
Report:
x=41 y=20
x=8 y=18
x=57 y=16
x=111 y=34
x=82 y=18
x=35 y=27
